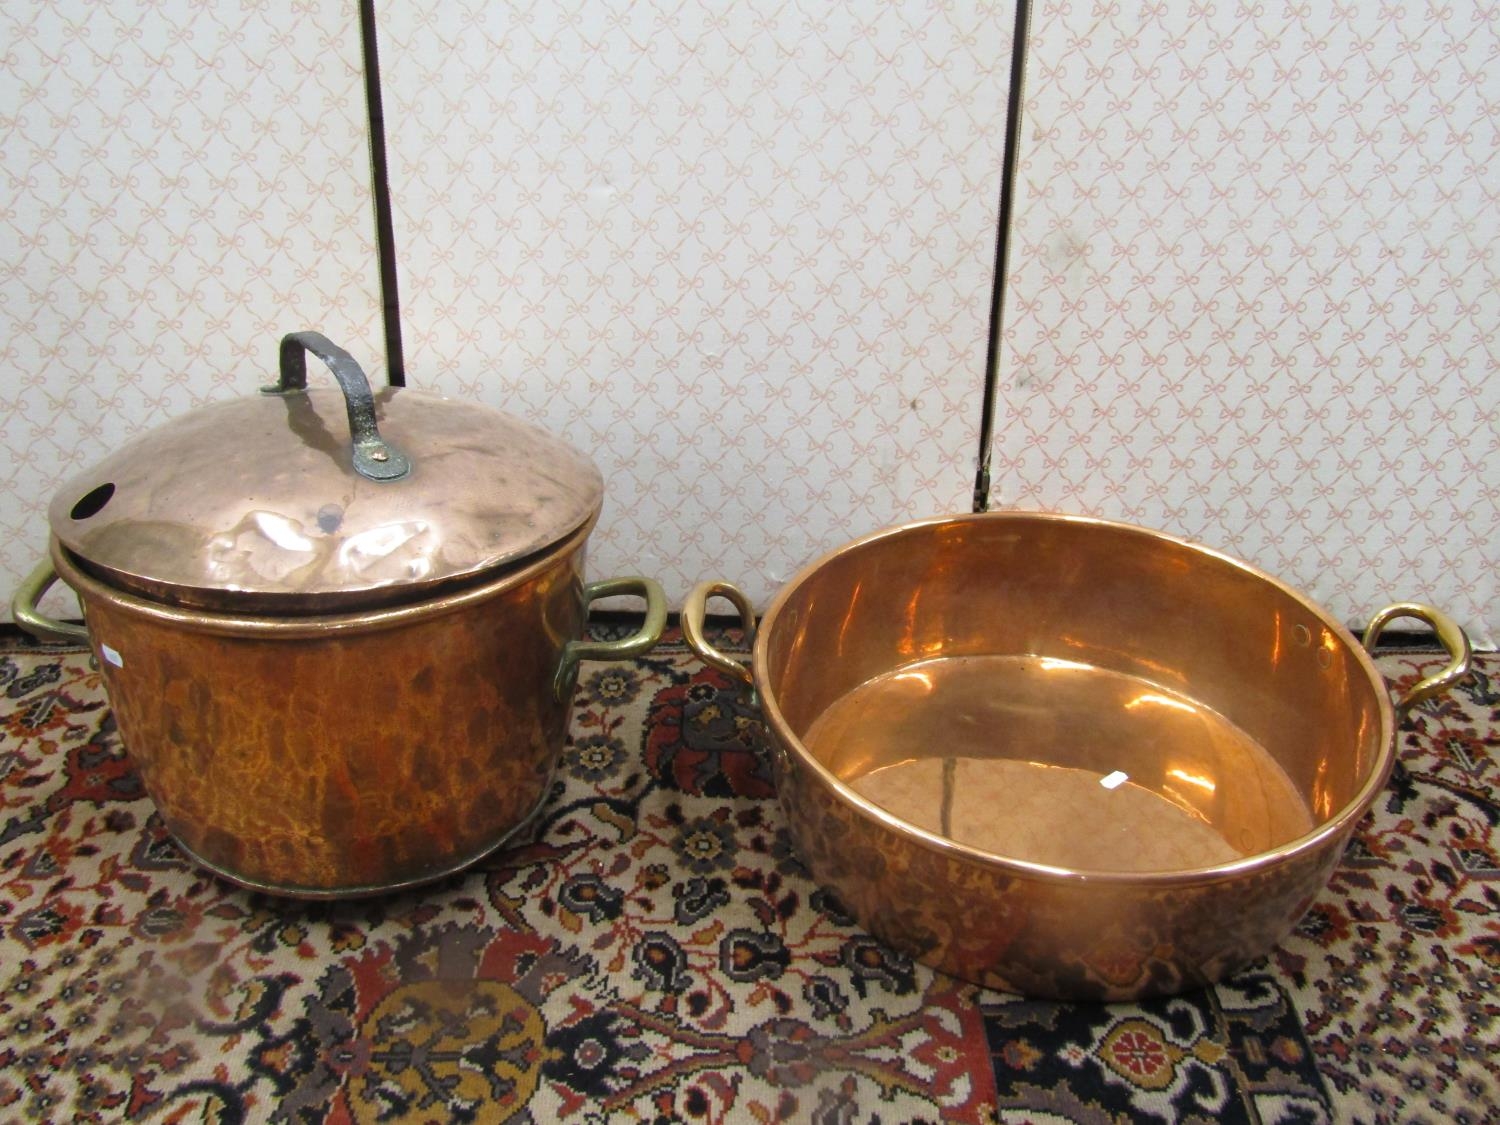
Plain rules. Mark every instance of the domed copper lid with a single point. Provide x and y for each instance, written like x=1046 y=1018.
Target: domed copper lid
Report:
x=323 y=500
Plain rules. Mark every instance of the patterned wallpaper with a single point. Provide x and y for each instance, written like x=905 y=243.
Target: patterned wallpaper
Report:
x=183 y=183
x=745 y=259
x=742 y=253
x=1255 y=290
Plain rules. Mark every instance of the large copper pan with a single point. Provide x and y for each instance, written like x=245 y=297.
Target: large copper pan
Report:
x=1067 y=757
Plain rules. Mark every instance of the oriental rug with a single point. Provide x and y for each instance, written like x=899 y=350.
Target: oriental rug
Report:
x=656 y=953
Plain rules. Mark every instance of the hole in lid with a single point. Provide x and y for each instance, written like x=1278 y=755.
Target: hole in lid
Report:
x=91 y=503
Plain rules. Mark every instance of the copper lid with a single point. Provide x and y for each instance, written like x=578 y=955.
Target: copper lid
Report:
x=311 y=501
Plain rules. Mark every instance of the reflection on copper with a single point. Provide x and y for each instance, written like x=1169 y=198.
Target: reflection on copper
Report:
x=285 y=533
x=1320 y=795
x=907 y=644
x=1204 y=783
x=851 y=614
x=1055 y=664
x=793 y=637
x=916 y=676
x=1158 y=700
x=1103 y=653
x=376 y=544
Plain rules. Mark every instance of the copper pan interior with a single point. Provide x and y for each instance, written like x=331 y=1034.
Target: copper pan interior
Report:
x=1075 y=695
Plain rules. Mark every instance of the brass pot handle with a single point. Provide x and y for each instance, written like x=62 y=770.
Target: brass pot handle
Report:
x=1449 y=634
x=24 y=613
x=695 y=612
x=634 y=645
x=374 y=457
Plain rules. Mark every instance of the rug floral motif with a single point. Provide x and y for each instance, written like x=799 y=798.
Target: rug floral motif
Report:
x=654 y=952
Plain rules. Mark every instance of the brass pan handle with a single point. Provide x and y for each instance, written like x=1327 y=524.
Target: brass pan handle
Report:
x=634 y=645
x=695 y=612
x=24 y=613
x=1449 y=634
x=374 y=457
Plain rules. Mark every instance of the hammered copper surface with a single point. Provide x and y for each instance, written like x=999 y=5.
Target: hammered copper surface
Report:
x=339 y=754
x=999 y=924
x=252 y=505
x=1119 y=657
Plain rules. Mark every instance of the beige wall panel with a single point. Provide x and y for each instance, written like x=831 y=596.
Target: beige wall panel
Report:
x=741 y=253
x=1256 y=289
x=183 y=183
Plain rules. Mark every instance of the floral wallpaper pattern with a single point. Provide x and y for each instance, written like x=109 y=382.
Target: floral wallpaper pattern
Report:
x=745 y=258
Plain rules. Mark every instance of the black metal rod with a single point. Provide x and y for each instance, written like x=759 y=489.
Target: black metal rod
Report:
x=380 y=189
x=1002 y=251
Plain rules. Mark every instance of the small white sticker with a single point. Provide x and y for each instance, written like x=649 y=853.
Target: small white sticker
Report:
x=111 y=655
x=1114 y=780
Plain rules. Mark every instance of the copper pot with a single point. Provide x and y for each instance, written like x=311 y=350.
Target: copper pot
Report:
x=341 y=665
x=1066 y=757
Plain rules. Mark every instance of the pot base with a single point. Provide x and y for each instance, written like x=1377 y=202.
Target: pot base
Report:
x=332 y=894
